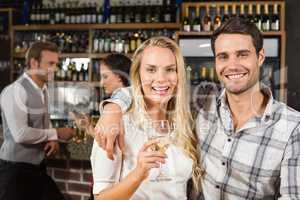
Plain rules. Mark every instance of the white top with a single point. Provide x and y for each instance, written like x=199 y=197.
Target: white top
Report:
x=107 y=172
x=13 y=104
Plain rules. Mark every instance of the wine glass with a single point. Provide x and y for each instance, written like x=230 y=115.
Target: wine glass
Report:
x=80 y=124
x=160 y=130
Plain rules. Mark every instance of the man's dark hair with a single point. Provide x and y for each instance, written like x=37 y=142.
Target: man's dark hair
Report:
x=119 y=64
x=237 y=25
x=36 y=49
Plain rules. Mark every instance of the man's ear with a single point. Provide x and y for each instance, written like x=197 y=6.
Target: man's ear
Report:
x=261 y=57
x=33 y=63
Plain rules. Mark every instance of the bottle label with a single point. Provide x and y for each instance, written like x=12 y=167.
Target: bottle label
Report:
x=167 y=17
x=207 y=27
x=187 y=28
x=197 y=27
x=94 y=18
x=275 y=25
x=100 y=18
x=266 y=26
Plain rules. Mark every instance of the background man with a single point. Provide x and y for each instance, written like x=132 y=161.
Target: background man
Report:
x=28 y=138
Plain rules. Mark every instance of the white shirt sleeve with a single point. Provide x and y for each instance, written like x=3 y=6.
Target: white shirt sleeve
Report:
x=106 y=172
x=13 y=105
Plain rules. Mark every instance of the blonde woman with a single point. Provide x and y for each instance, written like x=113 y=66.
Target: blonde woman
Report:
x=159 y=91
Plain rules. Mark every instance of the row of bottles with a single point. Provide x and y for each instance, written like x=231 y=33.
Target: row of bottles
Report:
x=92 y=13
x=211 y=17
x=67 y=42
x=202 y=73
x=72 y=71
x=123 y=42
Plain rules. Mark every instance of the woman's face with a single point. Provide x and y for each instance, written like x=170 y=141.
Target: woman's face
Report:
x=109 y=80
x=158 y=72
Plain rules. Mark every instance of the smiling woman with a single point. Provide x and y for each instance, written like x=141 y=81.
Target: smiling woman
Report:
x=158 y=82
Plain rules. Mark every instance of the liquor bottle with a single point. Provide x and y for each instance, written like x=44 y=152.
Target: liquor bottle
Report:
x=133 y=44
x=99 y=15
x=250 y=16
x=275 y=19
x=195 y=76
x=32 y=17
x=74 y=71
x=167 y=11
x=197 y=21
x=86 y=72
x=101 y=42
x=113 y=15
x=112 y=43
x=207 y=20
x=107 y=41
x=218 y=19
x=257 y=18
x=127 y=44
x=203 y=73
x=96 y=43
x=94 y=13
x=186 y=21
x=138 y=38
x=138 y=14
x=57 y=13
x=226 y=14
x=242 y=12
x=80 y=72
x=266 y=19
x=233 y=11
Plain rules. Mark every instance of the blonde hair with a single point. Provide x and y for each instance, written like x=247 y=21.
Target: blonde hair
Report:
x=178 y=106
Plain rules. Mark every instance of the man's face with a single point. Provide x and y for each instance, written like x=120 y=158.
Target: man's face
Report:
x=237 y=63
x=45 y=68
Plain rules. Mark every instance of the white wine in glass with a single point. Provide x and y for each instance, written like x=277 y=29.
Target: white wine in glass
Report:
x=160 y=130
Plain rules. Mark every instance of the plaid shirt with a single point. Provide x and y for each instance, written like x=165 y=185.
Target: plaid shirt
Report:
x=259 y=161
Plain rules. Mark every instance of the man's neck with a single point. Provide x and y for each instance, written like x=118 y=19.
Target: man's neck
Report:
x=35 y=79
x=246 y=105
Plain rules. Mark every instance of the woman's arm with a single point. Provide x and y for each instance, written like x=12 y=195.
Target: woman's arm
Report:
x=127 y=186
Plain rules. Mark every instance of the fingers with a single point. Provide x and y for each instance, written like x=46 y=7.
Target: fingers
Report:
x=148 y=144
x=47 y=146
x=109 y=147
x=121 y=139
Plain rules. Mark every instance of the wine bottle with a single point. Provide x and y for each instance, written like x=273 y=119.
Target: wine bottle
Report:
x=218 y=19
x=186 y=21
x=207 y=20
x=257 y=18
x=266 y=19
x=197 y=21
x=275 y=19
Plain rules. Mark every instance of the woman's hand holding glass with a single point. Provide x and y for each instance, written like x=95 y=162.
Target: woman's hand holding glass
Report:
x=160 y=130
x=148 y=159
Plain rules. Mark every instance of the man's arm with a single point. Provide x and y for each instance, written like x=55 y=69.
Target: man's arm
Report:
x=15 y=111
x=290 y=168
x=109 y=127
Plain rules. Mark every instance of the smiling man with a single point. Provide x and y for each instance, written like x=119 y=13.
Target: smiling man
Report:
x=249 y=143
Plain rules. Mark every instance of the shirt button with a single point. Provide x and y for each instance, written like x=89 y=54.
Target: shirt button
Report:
x=229 y=140
x=223 y=163
x=217 y=186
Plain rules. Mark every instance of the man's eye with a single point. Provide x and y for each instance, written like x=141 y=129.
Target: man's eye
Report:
x=222 y=57
x=243 y=55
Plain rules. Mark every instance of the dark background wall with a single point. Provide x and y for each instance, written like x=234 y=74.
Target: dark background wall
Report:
x=293 y=52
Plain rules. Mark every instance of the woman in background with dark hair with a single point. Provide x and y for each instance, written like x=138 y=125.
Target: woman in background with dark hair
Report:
x=114 y=72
